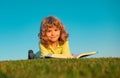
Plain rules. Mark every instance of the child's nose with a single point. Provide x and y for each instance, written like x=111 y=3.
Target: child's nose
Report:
x=52 y=33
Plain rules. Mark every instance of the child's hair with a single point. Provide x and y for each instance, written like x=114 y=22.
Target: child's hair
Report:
x=49 y=22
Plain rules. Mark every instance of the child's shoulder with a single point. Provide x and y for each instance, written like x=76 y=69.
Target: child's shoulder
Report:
x=66 y=43
x=41 y=45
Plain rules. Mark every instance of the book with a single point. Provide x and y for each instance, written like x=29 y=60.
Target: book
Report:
x=76 y=56
x=85 y=54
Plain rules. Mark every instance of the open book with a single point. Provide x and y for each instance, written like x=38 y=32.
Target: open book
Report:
x=85 y=54
x=63 y=56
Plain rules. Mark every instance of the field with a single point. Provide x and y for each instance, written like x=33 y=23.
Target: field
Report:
x=61 y=68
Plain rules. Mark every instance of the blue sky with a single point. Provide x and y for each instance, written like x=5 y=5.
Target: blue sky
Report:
x=93 y=25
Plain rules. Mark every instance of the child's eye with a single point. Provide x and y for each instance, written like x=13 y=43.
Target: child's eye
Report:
x=56 y=29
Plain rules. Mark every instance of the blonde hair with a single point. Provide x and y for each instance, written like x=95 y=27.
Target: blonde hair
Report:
x=49 y=22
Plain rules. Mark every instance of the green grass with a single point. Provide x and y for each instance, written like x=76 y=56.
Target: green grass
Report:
x=61 y=68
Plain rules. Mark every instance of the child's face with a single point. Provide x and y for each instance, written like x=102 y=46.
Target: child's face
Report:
x=53 y=34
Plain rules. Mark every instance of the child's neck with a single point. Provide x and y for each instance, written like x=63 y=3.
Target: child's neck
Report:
x=54 y=45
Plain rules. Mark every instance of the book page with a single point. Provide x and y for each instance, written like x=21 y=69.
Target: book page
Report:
x=85 y=54
x=64 y=56
x=58 y=56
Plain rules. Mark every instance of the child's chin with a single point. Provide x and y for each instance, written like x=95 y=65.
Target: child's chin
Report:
x=53 y=41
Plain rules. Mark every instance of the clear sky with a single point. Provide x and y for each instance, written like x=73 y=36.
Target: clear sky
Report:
x=93 y=25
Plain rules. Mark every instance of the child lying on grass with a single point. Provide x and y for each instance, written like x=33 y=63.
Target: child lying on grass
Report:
x=53 y=39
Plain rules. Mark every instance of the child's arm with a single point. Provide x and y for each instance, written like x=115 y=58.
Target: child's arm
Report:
x=66 y=49
x=43 y=51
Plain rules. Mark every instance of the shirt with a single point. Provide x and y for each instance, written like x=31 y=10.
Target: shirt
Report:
x=60 y=49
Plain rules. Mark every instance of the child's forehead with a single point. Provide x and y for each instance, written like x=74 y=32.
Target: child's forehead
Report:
x=53 y=26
